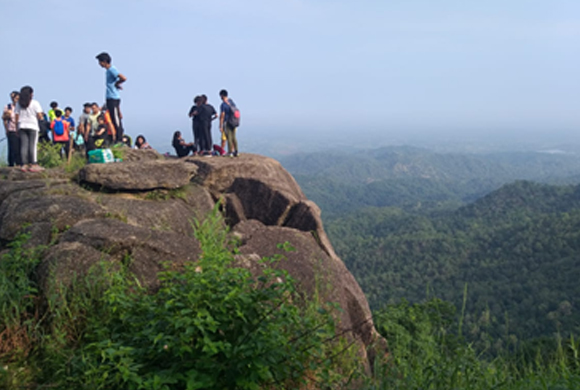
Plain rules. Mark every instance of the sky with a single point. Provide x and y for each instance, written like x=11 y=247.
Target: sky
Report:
x=309 y=71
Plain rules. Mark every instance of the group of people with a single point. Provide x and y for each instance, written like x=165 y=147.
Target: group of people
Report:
x=202 y=115
x=99 y=126
x=26 y=124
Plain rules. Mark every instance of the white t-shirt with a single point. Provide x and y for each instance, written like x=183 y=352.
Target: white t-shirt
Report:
x=28 y=117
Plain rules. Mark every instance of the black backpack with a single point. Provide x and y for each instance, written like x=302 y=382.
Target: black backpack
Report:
x=234 y=117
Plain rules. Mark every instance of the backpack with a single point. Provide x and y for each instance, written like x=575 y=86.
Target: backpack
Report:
x=234 y=118
x=58 y=128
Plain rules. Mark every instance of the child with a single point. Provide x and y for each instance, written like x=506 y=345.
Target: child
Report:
x=72 y=128
x=100 y=136
x=60 y=132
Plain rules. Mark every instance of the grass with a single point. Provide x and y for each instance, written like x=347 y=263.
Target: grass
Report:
x=426 y=352
x=49 y=157
x=162 y=194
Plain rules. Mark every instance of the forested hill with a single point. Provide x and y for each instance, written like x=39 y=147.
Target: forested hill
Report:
x=517 y=249
x=412 y=177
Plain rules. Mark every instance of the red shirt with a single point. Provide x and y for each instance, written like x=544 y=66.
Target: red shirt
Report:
x=64 y=136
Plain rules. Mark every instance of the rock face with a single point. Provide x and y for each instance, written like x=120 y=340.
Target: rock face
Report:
x=143 y=208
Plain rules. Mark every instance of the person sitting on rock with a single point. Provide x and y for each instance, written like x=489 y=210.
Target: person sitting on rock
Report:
x=99 y=138
x=181 y=147
x=141 y=143
x=126 y=140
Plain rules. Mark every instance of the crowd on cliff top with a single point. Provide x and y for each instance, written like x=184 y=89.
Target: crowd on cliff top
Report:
x=100 y=127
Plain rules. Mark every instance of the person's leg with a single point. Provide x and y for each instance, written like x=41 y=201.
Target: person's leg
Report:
x=24 y=141
x=235 y=141
x=223 y=138
x=13 y=149
x=66 y=146
x=32 y=146
x=197 y=138
x=208 y=141
x=114 y=107
x=229 y=137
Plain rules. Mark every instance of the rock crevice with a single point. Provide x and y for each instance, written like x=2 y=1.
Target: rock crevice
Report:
x=261 y=201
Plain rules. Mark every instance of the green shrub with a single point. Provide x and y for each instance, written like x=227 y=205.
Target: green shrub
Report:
x=17 y=299
x=211 y=325
x=49 y=157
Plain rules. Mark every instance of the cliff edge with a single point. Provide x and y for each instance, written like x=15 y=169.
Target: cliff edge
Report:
x=143 y=208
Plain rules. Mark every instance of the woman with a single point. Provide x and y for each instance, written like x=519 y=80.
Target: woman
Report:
x=28 y=113
x=8 y=117
x=141 y=143
x=181 y=148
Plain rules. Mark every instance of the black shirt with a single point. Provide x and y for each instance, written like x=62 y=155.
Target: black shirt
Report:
x=205 y=114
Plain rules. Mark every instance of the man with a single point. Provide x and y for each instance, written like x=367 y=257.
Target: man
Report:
x=195 y=124
x=113 y=80
x=71 y=128
x=83 y=127
x=206 y=115
x=227 y=110
x=68 y=118
x=8 y=118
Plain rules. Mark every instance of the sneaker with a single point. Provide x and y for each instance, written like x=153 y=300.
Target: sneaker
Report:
x=207 y=154
x=236 y=153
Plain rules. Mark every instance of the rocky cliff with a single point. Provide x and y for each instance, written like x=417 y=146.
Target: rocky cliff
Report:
x=144 y=206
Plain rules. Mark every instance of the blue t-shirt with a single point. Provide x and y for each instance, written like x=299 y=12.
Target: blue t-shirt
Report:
x=225 y=108
x=112 y=76
x=70 y=121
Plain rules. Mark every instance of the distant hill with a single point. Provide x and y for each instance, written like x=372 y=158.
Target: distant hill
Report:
x=412 y=177
x=517 y=249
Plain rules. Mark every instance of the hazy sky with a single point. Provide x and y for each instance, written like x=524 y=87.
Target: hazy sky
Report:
x=307 y=66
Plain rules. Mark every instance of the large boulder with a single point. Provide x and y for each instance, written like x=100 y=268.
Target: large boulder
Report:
x=315 y=271
x=138 y=176
x=142 y=211
x=61 y=211
x=149 y=250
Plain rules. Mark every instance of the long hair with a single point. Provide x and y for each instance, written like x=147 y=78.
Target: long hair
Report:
x=143 y=140
x=25 y=96
x=176 y=136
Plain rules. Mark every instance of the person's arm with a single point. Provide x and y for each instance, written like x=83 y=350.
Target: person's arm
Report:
x=81 y=127
x=87 y=131
x=120 y=80
x=5 y=126
x=222 y=116
x=6 y=115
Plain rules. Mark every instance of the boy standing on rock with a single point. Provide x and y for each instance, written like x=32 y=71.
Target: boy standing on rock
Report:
x=114 y=79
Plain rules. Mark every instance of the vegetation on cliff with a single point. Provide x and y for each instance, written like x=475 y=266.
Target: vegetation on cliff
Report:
x=211 y=325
